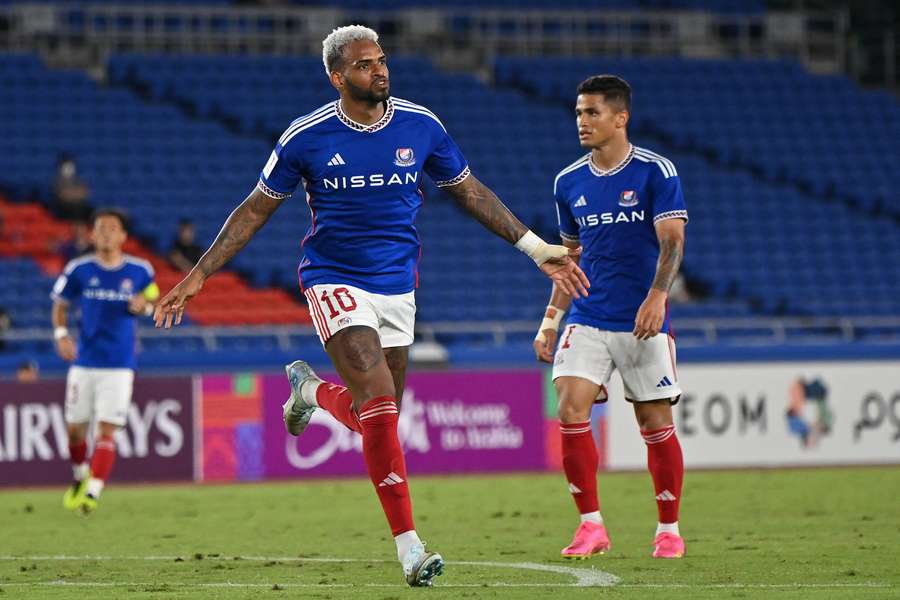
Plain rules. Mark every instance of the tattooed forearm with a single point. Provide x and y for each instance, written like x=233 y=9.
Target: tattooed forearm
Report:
x=238 y=229
x=671 y=252
x=486 y=207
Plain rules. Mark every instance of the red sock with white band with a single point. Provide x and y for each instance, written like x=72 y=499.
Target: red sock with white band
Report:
x=384 y=461
x=666 y=465
x=101 y=464
x=580 y=463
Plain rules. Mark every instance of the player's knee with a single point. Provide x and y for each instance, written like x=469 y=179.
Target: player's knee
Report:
x=77 y=432
x=572 y=409
x=653 y=415
x=106 y=430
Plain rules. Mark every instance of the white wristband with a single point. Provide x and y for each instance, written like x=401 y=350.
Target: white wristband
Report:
x=60 y=332
x=539 y=250
x=550 y=322
x=148 y=310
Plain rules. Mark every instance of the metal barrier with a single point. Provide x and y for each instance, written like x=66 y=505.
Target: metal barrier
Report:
x=691 y=332
x=450 y=36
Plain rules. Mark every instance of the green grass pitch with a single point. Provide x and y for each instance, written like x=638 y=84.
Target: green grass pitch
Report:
x=817 y=533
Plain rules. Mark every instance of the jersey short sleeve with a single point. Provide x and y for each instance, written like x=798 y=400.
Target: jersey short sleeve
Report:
x=568 y=228
x=446 y=164
x=668 y=199
x=67 y=287
x=282 y=173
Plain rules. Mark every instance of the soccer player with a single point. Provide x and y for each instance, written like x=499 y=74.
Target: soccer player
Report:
x=624 y=206
x=111 y=289
x=360 y=161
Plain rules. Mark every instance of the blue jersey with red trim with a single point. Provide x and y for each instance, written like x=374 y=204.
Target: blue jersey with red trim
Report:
x=362 y=184
x=613 y=215
x=107 y=335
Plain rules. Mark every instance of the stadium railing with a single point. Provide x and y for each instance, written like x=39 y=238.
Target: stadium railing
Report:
x=817 y=38
x=690 y=332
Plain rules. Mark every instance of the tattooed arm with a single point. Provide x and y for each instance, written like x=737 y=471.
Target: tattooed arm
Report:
x=241 y=225
x=483 y=204
x=479 y=201
x=652 y=312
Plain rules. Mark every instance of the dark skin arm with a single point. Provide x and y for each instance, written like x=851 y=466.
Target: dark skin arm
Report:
x=652 y=313
x=239 y=228
x=483 y=204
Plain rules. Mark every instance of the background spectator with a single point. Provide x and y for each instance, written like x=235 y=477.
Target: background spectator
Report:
x=185 y=252
x=70 y=192
x=80 y=242
x=28 y=372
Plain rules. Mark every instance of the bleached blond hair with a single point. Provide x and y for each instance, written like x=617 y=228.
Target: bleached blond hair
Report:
x=333 y=45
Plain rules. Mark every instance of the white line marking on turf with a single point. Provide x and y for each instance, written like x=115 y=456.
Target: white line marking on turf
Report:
x=584 y=577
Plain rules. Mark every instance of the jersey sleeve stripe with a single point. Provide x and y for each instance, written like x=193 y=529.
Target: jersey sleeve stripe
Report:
x=575 y=165
x=662 y=167
x=305 y=119
x=270 y=192
x=458 y=179
x=427 y=113
x=568 y=237
x=77 y=262
x=672 y=214
x=140 y=262
x=667 y=166
x=306 y=125
x=413 y=105
x=668 y=162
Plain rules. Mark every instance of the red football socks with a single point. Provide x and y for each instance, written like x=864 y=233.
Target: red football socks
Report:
x=384 y=461
x=104 y=457
x=580 y=462
x=77 y=452
x=666 y=465
x=336 y=399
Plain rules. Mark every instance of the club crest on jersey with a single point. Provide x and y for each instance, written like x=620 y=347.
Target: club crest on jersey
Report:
x=405 y=157
x=628 y=198
x=94 y=281
x=126 y=285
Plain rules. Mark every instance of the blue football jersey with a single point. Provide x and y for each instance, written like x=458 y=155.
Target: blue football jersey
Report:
x=613 y=214
x=362 y=185
x=107 y=330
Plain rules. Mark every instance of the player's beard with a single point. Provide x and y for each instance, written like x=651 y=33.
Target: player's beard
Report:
x=368 y=94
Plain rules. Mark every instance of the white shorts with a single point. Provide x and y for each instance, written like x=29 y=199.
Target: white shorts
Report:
x=104 y=394
x=647 y=366
x=337 y=306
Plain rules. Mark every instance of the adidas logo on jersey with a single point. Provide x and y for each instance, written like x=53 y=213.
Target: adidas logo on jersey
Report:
x=391 y=479
x=664 y=382
x=666 y=496
x=580 y=202
x=336 y=160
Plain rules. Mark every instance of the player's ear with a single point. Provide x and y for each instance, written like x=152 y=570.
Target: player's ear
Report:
x=337 y=79
x=622 y=118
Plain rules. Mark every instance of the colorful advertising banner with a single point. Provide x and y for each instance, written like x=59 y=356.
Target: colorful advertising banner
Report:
x=155 y=445
x=450 y=422
x=774 y=414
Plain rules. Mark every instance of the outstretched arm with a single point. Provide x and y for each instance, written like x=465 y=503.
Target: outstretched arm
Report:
x=652 y=313
x=479 y=201
x=555 y=261
x=238 y=229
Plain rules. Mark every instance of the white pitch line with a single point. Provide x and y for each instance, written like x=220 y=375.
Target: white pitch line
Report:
x=499 y=584
x=583 y=577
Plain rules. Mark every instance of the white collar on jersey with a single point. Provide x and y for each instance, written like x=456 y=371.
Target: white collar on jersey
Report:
x=380 y=124
x=601 y=173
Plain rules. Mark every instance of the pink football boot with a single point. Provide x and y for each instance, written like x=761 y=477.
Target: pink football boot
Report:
x=668 y=545
x=590 y=538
